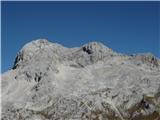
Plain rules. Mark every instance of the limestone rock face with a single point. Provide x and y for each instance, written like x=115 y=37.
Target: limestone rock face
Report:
x=91 y=82
x=148 y=59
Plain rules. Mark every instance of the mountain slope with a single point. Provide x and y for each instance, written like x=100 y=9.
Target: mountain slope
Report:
x=92 y=82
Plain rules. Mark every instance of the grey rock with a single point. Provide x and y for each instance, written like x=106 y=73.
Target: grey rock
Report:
x=91 y=82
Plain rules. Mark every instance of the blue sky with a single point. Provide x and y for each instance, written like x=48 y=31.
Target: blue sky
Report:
x=127 y=27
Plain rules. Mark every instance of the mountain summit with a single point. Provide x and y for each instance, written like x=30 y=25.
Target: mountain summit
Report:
x=51 y=82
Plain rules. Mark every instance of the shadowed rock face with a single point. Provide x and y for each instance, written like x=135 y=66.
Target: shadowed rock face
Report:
x=91 y=82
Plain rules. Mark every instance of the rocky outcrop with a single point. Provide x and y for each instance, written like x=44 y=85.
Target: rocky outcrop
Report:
x=92 y=82
x=148 y=59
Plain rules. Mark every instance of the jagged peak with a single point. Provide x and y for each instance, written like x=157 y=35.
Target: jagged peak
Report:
x=35 y=44
x=94 y=43
x=42 y=44
x=31 y=49
x=92 y=52
x=40 y=41
x=94 y=46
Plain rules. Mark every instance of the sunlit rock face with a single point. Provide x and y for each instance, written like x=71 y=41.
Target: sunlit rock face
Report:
x=91 y=82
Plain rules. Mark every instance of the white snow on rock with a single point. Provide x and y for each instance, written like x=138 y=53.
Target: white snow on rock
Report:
x=92 y=82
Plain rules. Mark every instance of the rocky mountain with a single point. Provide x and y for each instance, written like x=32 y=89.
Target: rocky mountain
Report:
x=91 y=82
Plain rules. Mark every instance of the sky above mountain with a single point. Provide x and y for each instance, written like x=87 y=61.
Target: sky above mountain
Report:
x=126 y=27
